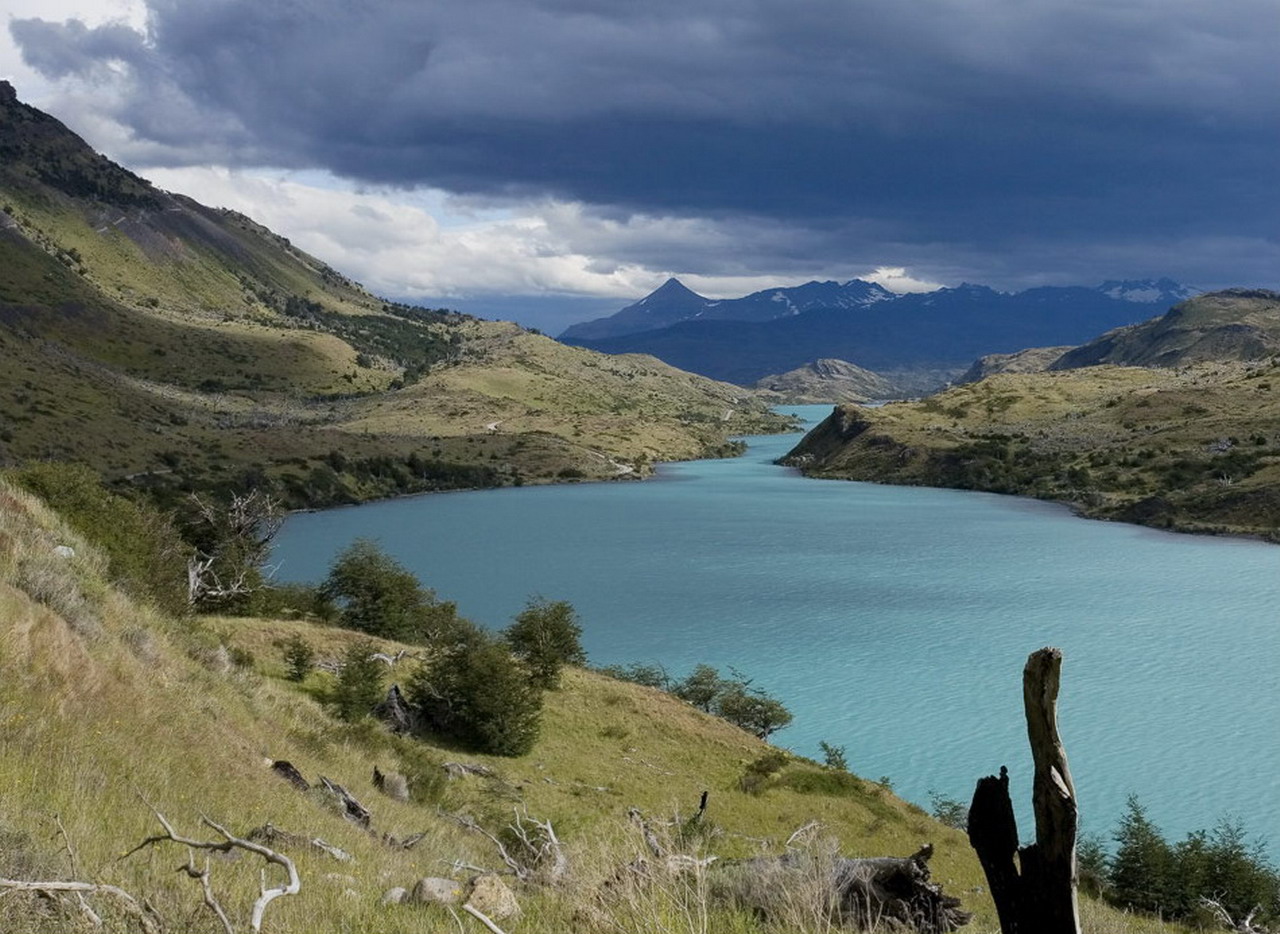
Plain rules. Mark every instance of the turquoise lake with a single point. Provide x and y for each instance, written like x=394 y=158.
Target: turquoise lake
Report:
x=893 y=621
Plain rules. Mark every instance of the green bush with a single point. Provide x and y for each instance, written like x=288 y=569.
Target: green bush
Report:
x=375 y=594
x=145 y=554
x=546 y=636
x=651 y=676
x=299 y=658
x=833 y=756
x=809 y=781
x=1149 y=874
x=359 y=687
x=475 y=692
x=751 y=710
x=755 y=778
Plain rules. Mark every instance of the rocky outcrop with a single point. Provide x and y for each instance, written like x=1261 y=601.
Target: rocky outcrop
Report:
x=1031 y=360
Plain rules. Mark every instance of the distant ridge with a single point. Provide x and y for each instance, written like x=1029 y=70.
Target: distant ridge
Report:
x=672 y=303
x=936 y=334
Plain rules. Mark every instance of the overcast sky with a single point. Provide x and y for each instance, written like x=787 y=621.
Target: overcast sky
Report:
x=534 y=153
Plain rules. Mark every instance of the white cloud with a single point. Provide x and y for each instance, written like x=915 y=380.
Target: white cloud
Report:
x=895 y=279
x=428 y=243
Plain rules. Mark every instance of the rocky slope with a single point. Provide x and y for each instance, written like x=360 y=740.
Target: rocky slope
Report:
x=828 y=380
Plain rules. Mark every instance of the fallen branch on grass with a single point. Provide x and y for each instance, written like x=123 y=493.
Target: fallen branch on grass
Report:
x=145 y=914
x=266 y=896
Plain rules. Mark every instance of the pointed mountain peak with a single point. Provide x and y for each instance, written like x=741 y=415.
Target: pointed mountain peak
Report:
x=672 y=288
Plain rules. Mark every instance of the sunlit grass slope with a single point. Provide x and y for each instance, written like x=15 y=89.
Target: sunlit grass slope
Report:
x=1196 y=448
x=153 y=337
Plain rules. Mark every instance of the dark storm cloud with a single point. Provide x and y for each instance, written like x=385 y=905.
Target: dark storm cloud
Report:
x=979 y=126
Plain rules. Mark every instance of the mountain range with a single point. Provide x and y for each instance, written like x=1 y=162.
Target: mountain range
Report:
x=931 y=335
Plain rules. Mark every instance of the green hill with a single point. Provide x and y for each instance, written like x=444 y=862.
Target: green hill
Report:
x=1235 y=324
x=182 y=346
x=1193 y=449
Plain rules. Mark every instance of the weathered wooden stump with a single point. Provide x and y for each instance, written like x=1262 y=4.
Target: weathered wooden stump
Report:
x=1037 y=894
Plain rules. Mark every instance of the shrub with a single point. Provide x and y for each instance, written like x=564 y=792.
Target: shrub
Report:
x=949 y=811
x=651 y=676
x=145 y=554
x=701 y=688
x=359 y=686
x=299 y=658
x=753 y=711
x=376 y=594
x=546 y=636
x=755 y=778
x=476 y=693
x=833 y=756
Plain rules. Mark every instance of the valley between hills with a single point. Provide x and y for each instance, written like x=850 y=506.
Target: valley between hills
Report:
x=170 y=348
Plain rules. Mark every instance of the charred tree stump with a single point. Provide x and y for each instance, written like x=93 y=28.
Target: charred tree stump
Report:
x=1038 y=894
x=862 y=894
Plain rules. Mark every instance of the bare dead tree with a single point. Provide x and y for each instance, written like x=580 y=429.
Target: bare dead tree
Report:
x=540 y=856
x=1038 y=894
x=1220 y=914
x=232 y=541
x=229 y=842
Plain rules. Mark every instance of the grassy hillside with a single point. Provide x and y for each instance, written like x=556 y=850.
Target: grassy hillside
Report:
x=180 y=346
x=1235 y=324
x=106 y=704
x=1194 y=449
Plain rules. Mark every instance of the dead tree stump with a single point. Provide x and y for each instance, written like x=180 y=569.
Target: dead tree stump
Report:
x=1038 y=894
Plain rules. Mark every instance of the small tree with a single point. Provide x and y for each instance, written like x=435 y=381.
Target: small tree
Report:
x=299 y=658
x=752 y=710
x=833 y=756
x=378 y=595
x=359 y=686
x=1143 y=862
x=232 y=540
x=477 y=693
x=701 y=688
x=546 y=636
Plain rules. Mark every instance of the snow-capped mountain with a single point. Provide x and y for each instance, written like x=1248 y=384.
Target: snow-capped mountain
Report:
x=673 y=302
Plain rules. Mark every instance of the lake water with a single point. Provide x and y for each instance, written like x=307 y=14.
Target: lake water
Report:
x=892 y=621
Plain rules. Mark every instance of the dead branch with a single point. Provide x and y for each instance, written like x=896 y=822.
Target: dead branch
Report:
x=650 y=838
x=228 y=843
x=240 y=534
x=468 y=822
x=540 y=841
x=144 y=913
x=272 y=836
x=862 y=893
x=459 y=769
x=209 y=899
x=352 y=809
x=802 y=834
x=1220 y=914
x=482 y=918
